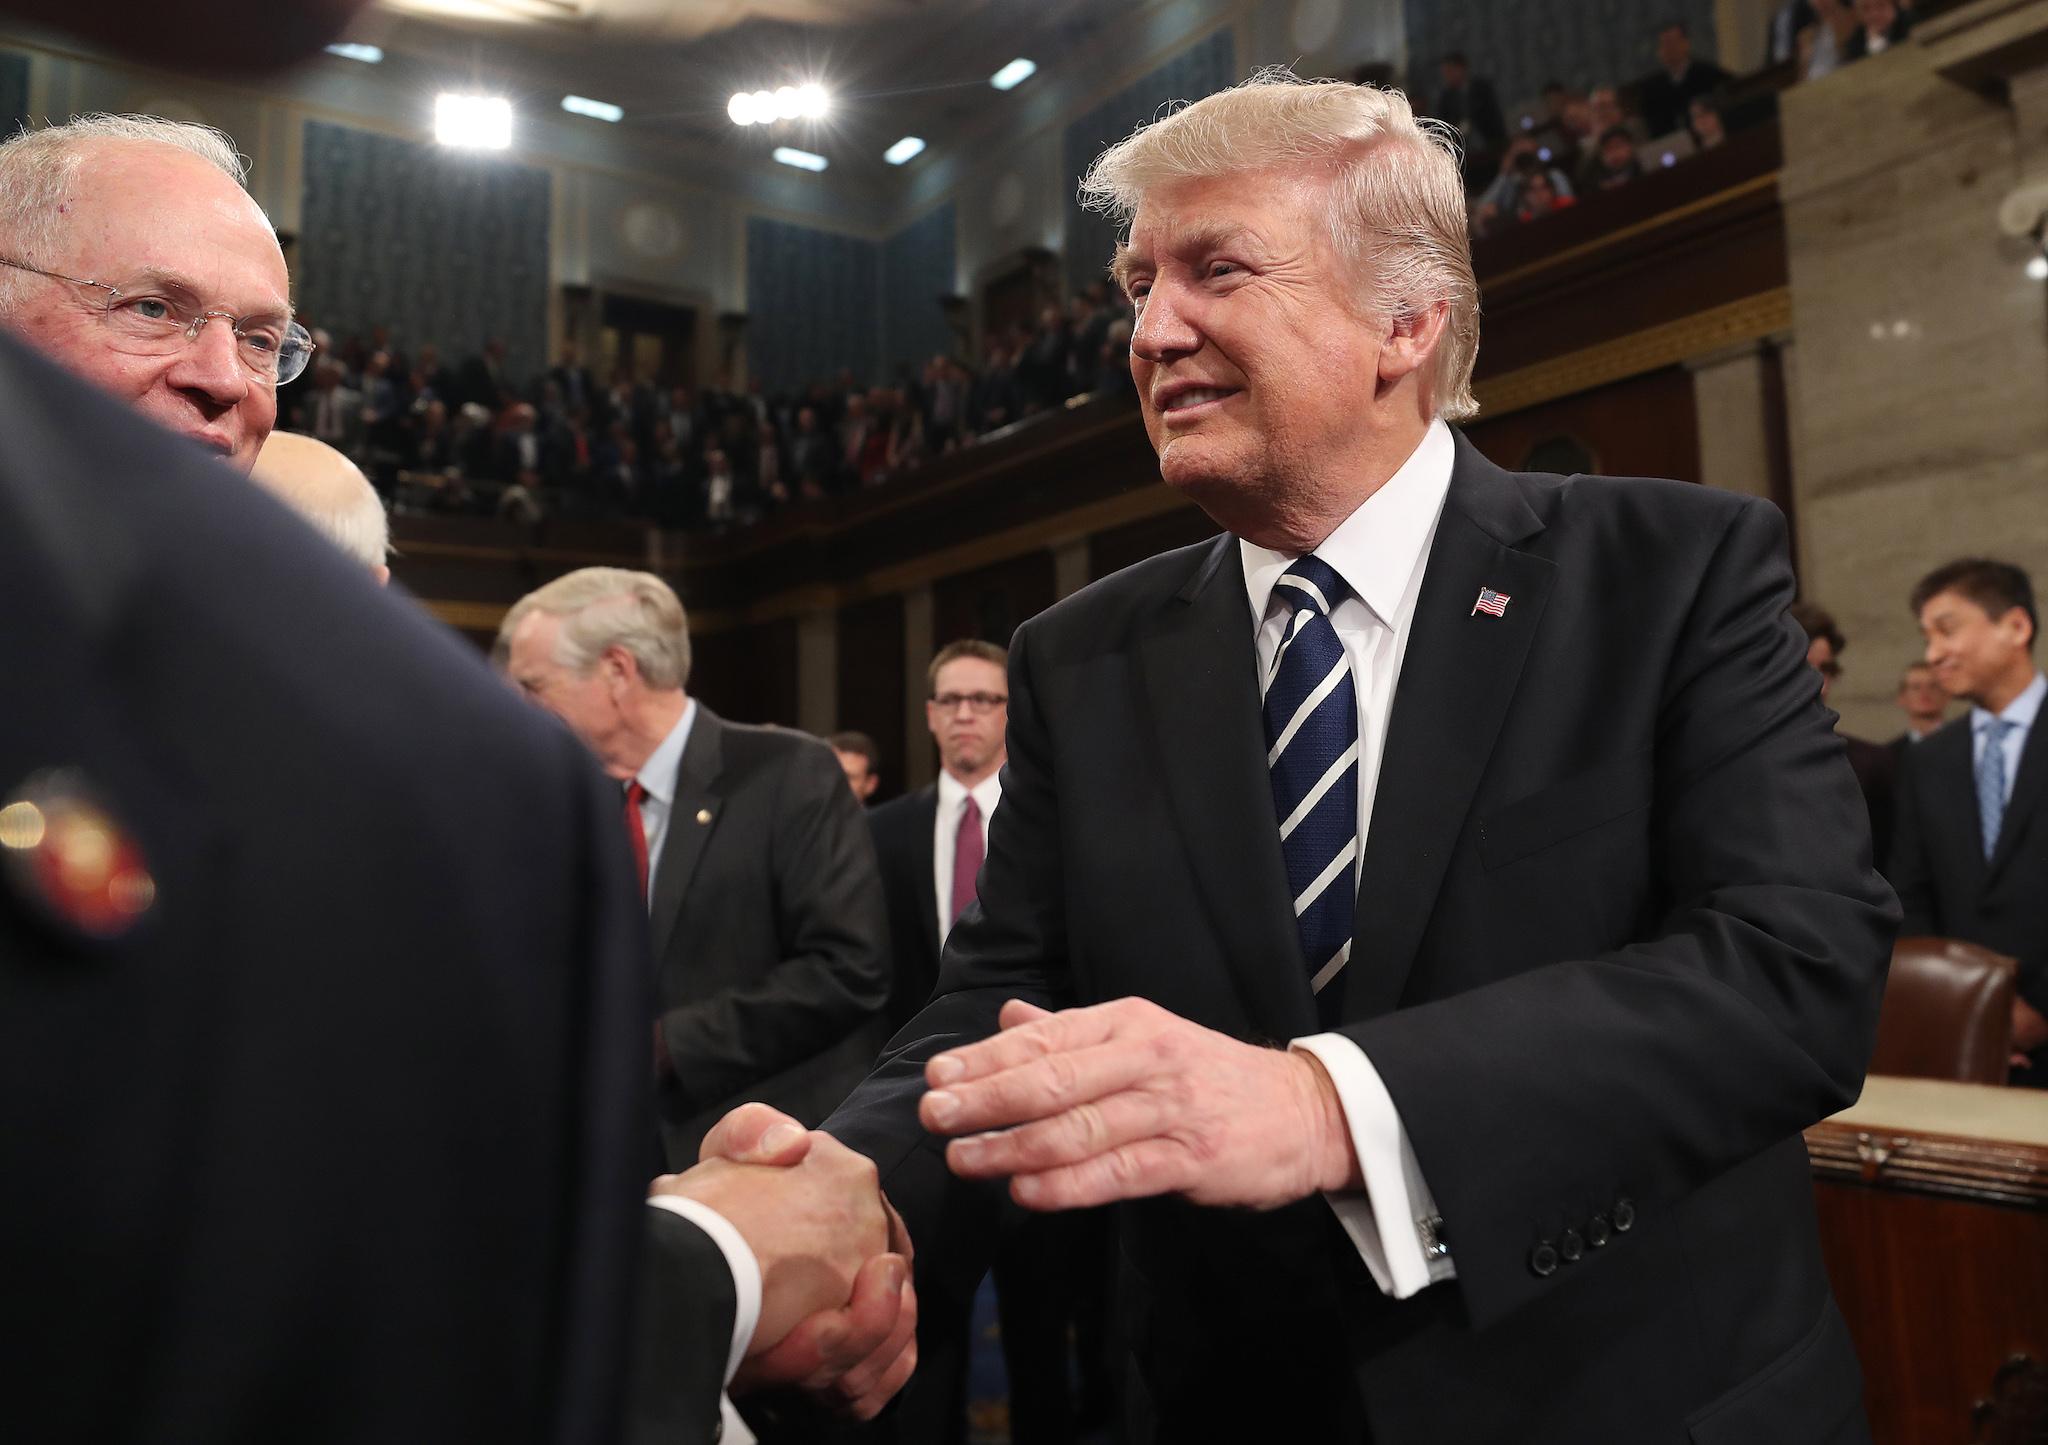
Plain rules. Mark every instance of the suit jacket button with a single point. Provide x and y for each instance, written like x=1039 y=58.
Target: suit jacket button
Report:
x=1543 y=1260
x=1624 y=1216
x=1570 y=1248
x=1596 y=1230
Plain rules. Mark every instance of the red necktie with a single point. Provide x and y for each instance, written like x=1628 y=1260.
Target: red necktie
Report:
x=967 y=853
x=636 y=831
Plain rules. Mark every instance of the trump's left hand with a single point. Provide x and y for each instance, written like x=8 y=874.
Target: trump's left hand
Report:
x=1125 y=1100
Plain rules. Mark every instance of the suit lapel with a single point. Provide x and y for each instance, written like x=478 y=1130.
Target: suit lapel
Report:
x=927 y=885
x=697 y=795
x=1457 y=679
x=1200 y=678
x=2026 y=796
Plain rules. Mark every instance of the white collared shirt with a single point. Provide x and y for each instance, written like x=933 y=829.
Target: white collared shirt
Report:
x=946 y=834
x=1381 y=550
x=2021 y=712
x=658 y=777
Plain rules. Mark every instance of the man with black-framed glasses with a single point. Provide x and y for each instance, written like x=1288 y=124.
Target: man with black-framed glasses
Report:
x=131 y=254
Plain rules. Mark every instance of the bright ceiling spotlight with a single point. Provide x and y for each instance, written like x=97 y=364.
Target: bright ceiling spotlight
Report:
x=802 y=160
x=788 y=104
x=741 y=109
x=595 y=109
x=812 y=102
x=476 y=122
x=906 y=149
x=2037 y=268
x=1014 y=74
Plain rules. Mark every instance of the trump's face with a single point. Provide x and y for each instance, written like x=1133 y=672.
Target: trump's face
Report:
x=152 y=220
x=1255 y=364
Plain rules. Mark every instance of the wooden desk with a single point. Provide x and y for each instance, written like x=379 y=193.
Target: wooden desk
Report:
x=1933 y=1201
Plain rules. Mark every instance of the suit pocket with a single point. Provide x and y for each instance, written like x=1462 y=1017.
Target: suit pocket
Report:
x=1584 y=801
x=1802 y=1397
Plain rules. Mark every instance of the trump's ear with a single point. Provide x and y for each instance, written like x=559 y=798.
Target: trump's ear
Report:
x=1411 y=339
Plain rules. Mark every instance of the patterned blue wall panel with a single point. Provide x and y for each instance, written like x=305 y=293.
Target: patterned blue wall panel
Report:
x=1520 y=44
x=443 y=246
x=1205 y=67
x=13 y=91
x=917 y=269
x=814 y=303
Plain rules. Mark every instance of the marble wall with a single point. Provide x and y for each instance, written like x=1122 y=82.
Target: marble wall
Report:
x=1920 y=395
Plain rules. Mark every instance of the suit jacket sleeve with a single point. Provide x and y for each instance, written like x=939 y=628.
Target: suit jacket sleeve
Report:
x=1746 y=1012
x=1907 y=866
x=833 y=931
x=687 y=1304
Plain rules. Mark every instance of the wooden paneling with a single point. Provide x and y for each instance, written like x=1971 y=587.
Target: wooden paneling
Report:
x=989 y=602
x=1118 y=547
x=871 y=681
x=748 y=673
x=1647 y=426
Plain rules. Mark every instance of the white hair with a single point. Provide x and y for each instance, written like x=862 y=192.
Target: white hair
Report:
x=1398 y=206
x=38 y=168
x=359 y=526
x=604 y=607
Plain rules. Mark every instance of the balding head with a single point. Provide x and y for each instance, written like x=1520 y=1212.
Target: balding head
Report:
x=328 y=490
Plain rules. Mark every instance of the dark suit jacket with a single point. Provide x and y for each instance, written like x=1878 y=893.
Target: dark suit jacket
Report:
x=343 y=1142
x=1876 y=766
x=902 y=830
x=1945 y=884
x=770 y=938
x=1617 y=945
x=682 y=1336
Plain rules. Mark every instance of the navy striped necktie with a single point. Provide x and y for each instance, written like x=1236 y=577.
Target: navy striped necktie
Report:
x=1311 y=715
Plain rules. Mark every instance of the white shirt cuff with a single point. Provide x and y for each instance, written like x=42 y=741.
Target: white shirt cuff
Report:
x=746 y=1270
x=1393 y=1223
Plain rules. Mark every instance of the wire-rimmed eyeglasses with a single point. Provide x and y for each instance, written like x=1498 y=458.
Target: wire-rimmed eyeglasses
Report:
x=145 y=323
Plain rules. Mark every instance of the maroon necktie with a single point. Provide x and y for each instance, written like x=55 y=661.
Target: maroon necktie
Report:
x=636 y=832
x=967 y=853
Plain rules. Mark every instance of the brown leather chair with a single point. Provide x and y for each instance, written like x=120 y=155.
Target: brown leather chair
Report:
x=1947 y=1012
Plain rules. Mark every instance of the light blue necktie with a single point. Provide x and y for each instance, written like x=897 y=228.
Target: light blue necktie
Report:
x=1311 y=715
x=1991 y=782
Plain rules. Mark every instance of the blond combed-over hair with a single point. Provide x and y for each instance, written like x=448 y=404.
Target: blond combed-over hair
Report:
x=603 y=607
x=1398 y=203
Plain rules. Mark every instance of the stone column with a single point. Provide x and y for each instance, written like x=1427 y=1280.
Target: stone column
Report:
x=1734 y=425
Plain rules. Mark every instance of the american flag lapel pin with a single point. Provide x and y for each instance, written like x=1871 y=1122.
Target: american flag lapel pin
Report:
x=1492 y=603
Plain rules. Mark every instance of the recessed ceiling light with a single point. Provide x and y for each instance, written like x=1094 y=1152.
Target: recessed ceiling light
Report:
x=482 y=122
x=349 y=50
x=2037 y=268
x=802 y=160
x=595 y=109
x=812 y=102
x=741 y=109
x=905 y=149
x=1014 y=74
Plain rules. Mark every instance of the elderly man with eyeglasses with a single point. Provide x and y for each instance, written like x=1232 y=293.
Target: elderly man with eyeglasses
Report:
x=131 y=254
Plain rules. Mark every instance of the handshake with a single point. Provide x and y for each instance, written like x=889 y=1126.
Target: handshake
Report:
x=838 y=1310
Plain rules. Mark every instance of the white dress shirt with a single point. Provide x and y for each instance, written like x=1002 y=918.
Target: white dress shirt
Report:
x=1381 y=551
x=658 y=777
x=2021 y=712
x=946 y=834
x=746 y=1288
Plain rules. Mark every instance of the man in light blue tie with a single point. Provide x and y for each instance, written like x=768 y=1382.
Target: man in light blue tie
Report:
x=1970 y=859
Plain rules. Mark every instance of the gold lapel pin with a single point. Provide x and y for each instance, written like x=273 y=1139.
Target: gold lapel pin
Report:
x=703 y=815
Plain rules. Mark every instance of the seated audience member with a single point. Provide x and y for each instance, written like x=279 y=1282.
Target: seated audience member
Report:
x=861 y=760
x=769 y=930
x=1540 y=197
x=1467 y=104
x=1825 y=43
x=333 y=413
x=1971 y=851
x=1607 y=112
x=1880 y=24
x=1503 y=197
x=1669 y=89
x=331 y=492
x=1614 y=164
x=1873 y=763
x=1703 y=120
x=1788 y=21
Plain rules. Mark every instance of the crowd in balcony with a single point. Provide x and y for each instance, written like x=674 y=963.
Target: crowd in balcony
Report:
x=1571 y=144
x=477 y=439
